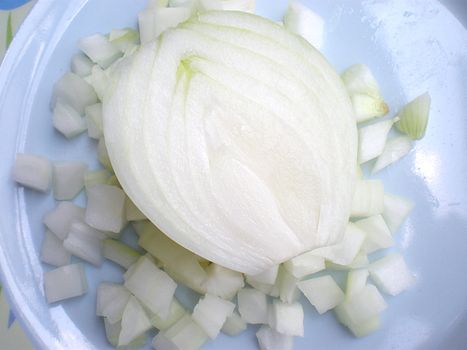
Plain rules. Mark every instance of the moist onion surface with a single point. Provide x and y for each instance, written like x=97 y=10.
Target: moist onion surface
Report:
x=236 y=138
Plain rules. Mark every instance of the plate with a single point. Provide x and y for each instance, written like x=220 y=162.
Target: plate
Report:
x=412 y=47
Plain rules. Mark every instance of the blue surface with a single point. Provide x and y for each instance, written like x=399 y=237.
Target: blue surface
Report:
x=412 y=46
x=12 y=4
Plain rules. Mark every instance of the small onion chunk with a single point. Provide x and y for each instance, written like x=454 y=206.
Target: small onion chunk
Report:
x=33 y=171
x=65 y=282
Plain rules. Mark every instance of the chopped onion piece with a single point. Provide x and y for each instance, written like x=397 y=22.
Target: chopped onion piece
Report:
x=300 y=20
x=322 y=292
x=391 y=274
x=99 y=81
x=105 y=208
x=120 y=253
x=84 y=244
x=270 y=339
x=305 y=264
x=394 y=150
x=134 y=322
x=287 y=318
x=111 y=299
x=263 y=287
x=360 y=261
x=346 y=250
x=363 y=306
x=74 y=91
x=211 y=312
x=364 y=328
x=81 y=65
x=98 y=48
x=223 y=282
x=253 y=306
x=67 y=120
x=356 y=281
x=153 y=287
x=112 y=333
x=396 y=210
x=287 y=284
x=65 y=282
x=367 y=107
x=93 y=115
x=179 y=263
x=60 y=219
x=414 y=117
x=95 y=177
x=124 y=39
x=113 y=181
x=154 y=21
x=268 y=276
x=68 y=179
x=176 y=312
x=377 y=232
x=185 y=334
x=368 y=198
x=372 y=138
x=234 y=325
x=132 y=212
x=53 y=252
x=364 y=92
x=157 y=3
x=33 y=171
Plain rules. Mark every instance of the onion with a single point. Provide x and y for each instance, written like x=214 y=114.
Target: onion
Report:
x=33 y=171
x=134 y=322
x=322 y=292
x=111 y=300
x=287 y=318
x=234 y=325
x=53 y=252
x=232 y=165
x=414 y=117
x=269 y=339
x=211 y=312
x=68 y=179
x=253 y=306
x=65 y=282
x=176 y=312
x=81 y=65
x=184 y=334
x=305 y=264
x=60 y=219
x=300 y=20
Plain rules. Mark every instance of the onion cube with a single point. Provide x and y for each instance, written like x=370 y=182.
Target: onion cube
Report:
x=270 y=339
x=67 y=120
x=152 y=286
x=305 y=264
x=111 y=300
x=120 y=253
x=65 y=282
x=253 y=306
x=362 y=306
x=33 y=171
x=112 y=332
x=185 y=334
x=134 y=322
x=391 y=274
x=396 y=210
x=98 y=48
x=68 y=179
x=211 y=312
x=266 y=277
x=368 y=198
x=287 y=318
x=234 y=325
x=223 y=282
x=60 y=219
x=105 y=208
x=322 y=292
x=287 y=285
x=93 y=116
x=53 y=252
x=344 y=252
x=356 y=281
x=96 y=177
x=377 y=232
x=176 y=312
x=74 y=91
x=81 y=65
x=84 y=244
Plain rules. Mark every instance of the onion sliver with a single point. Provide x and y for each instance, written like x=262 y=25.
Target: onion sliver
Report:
x=236 y=138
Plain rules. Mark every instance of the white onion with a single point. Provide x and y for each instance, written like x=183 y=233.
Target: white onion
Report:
x=81 y=65
x=211 y=312
x=105 y=208
x=67 y=120
x=377 y=232
x=270 y=339
x=33 y=171
x=322 y=292
x=394 y=150
x=60 y=219
x=305 y=264
x=98 y=48
x=68 y=179
x=65 y=282
x=300 y=20
x=287 y=318
x=74 y=91
x=391 y=274
x=134 y=322
x=52 y=250
x=234 y=325
x=245 y=178
x=111 y=300
x=253 y=306
x=396 y=210
x=184 y=334
x=176 y=312
x=372 y=138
